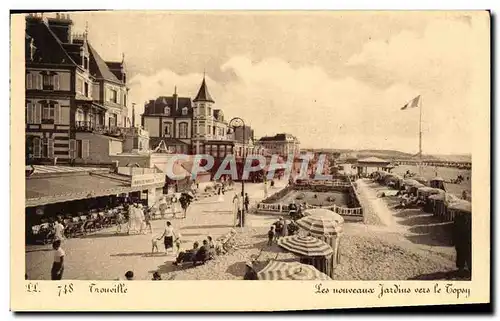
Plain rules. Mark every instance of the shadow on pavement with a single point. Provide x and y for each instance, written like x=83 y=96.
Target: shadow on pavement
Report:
x=107 y=234
x=143 y=254
x=205 y=226
x=39 y=250
x=237 y=269
x=448 y=275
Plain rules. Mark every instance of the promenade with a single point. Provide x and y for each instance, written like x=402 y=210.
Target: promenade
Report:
x=106 y=255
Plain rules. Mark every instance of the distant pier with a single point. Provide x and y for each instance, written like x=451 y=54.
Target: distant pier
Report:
x=434 y=163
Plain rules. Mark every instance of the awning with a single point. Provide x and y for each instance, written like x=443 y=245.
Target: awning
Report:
x=57 y=189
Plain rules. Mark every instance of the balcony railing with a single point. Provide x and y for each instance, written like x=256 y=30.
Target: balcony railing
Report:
x=87 y=126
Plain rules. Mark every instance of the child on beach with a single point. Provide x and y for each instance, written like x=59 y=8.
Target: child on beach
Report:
x=154 y=244
x=270 y=236
x=178 y=242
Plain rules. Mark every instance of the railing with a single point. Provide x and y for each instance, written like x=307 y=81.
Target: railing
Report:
x=87 y=126
x=283 y=208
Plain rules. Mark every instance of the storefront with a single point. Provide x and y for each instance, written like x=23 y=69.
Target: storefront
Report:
x=68 y=192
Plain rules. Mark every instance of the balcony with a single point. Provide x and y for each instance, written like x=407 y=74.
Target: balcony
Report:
x=90 y=127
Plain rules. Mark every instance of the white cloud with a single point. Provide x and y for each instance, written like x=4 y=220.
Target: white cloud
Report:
x=347 y=112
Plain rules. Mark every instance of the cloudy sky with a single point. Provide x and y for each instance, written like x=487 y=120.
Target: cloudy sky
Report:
x=335 y=80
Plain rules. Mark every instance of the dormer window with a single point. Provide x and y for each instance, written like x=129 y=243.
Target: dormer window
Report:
x=184 y=111
x=166 y=111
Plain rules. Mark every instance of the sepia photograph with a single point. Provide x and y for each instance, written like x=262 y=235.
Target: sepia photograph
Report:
x=319 y=146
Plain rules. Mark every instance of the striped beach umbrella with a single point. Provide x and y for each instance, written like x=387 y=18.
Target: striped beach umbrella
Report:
x=305 y=245
x=277 y=270
x=323 y=212
x=320 y=225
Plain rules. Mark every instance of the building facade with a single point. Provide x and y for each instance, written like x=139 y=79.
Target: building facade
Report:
x=194 y=126
x=281 y=144
x=70 y=92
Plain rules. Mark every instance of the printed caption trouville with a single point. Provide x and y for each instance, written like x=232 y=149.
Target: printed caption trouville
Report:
x=384 y=290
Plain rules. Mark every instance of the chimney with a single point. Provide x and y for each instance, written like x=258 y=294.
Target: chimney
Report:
x=176 y=99
x=133 y=115
x=61 y=26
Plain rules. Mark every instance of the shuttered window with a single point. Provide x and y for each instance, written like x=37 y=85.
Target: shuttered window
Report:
x=72 y=149
x=30 y=113
x=29 y=81
x=50 y=148
x=85 y=148
x=37 y=147
x=38 y=114
x=56 y=82
x=57 y=114
x=39 y=81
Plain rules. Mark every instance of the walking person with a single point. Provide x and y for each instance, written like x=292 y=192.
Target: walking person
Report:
x=147 y=220
x=58 y=231
x=221 y=195
x=168 y=237
x=237 y=209
x=120 y=219
x=131 y=218
x=58 y=263
x=246 y=202
x=270 y=235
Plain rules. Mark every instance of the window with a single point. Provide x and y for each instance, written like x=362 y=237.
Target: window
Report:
x=48 y=81
x=210 y=111
x=124 y=99
x=184 y=111
x=166 y=111
x=112 y=121
x=213 y=130
x=29 y=81
x=37 y=147
x=208 y=149
x=86 y=86
x=48 y=113
x=85 y=63
x=79 y=86
x=113 y=96
x=79 y=116
x=201 y=111
x=183 y=130
x=168 y=130
x=195 y=129
x=79 y=150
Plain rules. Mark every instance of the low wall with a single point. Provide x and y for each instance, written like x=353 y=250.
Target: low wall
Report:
x=354 y=213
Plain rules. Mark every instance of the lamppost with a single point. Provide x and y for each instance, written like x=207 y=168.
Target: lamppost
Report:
x=234 y=123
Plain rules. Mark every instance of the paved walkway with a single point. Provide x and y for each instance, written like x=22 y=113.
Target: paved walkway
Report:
x=412 y=225
x=106 y=255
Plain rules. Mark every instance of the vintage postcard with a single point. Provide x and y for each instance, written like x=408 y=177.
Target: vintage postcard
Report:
x=338 y=159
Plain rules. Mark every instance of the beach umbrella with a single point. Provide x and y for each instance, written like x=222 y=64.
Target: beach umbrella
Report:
x=278 y=270
x=320 y=225
x=420 y=179
x=410 y=182
x=323 y=212
x=305 y=245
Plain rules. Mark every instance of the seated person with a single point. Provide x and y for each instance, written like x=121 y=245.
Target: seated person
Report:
x=292 y=207
x=250 y=272
x=203 y=254
x=211 y=247
x=278 y=227
x=187 y=256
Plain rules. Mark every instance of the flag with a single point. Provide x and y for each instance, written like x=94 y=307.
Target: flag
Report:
x=415 y=102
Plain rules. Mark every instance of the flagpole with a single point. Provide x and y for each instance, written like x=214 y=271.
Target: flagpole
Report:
x=420 y=138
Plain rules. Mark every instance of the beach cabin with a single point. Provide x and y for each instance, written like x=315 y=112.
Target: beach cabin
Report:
x=369 y=165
